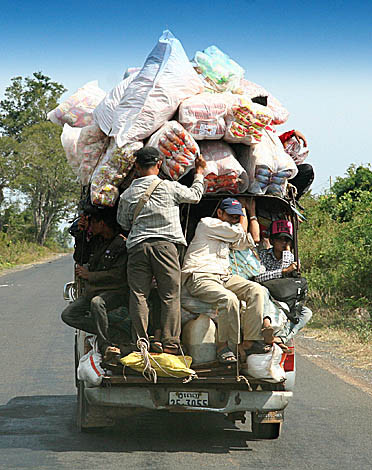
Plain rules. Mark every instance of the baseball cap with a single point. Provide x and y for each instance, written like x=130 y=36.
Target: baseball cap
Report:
x=147 y=156
x=232 y=206
x=281 y=228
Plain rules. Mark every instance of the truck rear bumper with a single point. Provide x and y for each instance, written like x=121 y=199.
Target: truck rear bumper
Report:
x=221 y=402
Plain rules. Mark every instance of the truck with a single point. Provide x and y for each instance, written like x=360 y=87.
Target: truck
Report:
x=215 y=388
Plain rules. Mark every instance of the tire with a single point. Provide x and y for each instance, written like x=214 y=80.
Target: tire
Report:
x=266 y=430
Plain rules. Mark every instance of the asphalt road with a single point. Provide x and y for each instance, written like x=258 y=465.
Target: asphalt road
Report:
x=328 y=424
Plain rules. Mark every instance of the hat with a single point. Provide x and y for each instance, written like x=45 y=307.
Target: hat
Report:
x=147 y=156
x=281 y=228
x=232 y=206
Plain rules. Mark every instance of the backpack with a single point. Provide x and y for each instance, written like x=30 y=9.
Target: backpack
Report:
x=291 y=290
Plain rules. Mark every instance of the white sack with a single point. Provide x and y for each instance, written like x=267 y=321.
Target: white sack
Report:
x=77 y=110
x=165 y=80
x=178 y=149
x=203 y=115
x=111 y=171
x=69 y=139
x=104 y=112
x=267 y=366
x=89 y=369
x=223 y=172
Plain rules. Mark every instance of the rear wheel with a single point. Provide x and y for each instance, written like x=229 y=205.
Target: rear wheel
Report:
x=266 y=430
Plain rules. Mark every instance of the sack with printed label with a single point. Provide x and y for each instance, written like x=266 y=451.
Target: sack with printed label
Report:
x=203 y=115
x=91 y=145
x=77 y=110
x=69 y=138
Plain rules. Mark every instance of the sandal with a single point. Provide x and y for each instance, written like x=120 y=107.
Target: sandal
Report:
x=175 y=350
x=280 y=343
x=258 y=347
x=226 y=356
x=156 y=347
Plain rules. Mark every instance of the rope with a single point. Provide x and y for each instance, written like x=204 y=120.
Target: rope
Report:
x=148 y=372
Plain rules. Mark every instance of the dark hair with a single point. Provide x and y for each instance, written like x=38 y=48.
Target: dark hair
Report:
x=107 y=214
x=262 y=100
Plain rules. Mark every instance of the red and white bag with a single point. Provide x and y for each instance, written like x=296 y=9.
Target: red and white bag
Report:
x=269 y=366
x=177 y=148
x=89 y=369
x=223 y=172
x=203 y=115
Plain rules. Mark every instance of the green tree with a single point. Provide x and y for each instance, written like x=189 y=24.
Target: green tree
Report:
x=8 y=150
x=45 y=177
x=27 y=102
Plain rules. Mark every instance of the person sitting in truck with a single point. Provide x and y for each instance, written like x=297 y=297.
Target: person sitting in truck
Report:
x=278 y=261
x=101 y=265
x=207 y=275
x=154 y=234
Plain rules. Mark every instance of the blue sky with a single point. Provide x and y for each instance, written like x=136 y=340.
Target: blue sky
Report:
x=315 y=57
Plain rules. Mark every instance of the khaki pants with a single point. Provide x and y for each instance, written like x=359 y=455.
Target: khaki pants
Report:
x=159 y=259
x=226 y=295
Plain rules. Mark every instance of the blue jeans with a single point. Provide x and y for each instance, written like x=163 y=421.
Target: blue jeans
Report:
x=291 y=329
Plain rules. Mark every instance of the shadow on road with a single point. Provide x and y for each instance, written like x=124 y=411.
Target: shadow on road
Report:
x=48 y=423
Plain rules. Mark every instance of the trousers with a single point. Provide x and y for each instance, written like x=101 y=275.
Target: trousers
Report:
x=158 y=259
x=90 y=314
x=211 y=288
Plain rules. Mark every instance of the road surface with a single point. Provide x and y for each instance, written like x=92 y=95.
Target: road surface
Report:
x=328 y=424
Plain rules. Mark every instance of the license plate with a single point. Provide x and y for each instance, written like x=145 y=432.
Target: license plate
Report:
x=196 y=399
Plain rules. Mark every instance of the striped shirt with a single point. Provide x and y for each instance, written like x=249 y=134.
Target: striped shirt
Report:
x=160 y=216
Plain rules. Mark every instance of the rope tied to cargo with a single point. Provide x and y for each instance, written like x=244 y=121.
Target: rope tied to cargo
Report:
x=148 y=372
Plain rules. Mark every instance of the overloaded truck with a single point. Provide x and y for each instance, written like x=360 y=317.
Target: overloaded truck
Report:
x=229 y=390
x=185 y=108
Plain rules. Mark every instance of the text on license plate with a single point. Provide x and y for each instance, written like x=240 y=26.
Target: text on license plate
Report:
x=188 y=398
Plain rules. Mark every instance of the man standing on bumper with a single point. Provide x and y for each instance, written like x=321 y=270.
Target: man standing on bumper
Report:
x=151 y=244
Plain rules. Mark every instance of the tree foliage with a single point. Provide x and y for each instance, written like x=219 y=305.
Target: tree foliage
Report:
x=45 y=177
x=27 y=102
x=8 y=150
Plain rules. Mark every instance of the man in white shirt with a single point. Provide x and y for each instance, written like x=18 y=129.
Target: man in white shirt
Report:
x=207 y=275
x=152 y=244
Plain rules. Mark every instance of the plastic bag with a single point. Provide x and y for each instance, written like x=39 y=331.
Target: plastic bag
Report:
x=104 y=112
x=89 y=369
x=296 y=150
x=244 y=263
x=165 y=365
x=273 y=166
x=166 y=79
x=91 y=145
x=223 y=172
x=269 y=366
x=245 y=121
x=111 y=171
x=69 y=139
x=177 y=147
x=279 y=113
x=77 y=110
x=203 y=115
x=223 y=73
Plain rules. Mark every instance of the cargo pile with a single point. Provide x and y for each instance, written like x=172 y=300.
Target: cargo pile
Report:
x=183 y=108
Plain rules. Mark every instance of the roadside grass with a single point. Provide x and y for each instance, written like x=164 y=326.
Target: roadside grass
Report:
x=14 y=253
